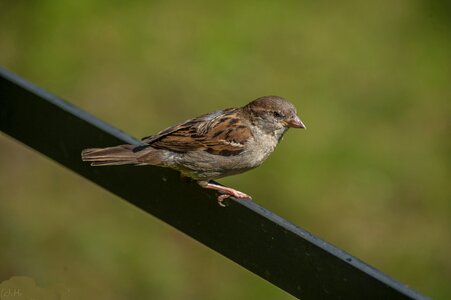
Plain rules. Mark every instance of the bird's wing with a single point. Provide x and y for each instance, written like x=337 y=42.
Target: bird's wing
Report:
x=220 y=133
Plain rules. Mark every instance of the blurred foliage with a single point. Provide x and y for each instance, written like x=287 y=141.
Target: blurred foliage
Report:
x=372 y=81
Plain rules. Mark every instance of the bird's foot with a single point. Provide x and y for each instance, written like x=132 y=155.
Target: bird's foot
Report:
x=231 y=192
x=227 y=192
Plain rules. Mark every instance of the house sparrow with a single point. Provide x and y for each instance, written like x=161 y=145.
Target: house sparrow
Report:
x=212 y=146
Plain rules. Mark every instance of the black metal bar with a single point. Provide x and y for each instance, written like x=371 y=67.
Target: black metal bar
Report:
x=262 y=242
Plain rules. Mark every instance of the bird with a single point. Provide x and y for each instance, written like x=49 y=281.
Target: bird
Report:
x=211 y=146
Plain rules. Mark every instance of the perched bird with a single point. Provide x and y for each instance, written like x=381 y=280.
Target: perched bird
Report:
x=211 y=146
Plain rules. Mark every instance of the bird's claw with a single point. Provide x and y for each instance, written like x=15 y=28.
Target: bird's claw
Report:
x=221 y=199
x=226 y=192
x=235 y=193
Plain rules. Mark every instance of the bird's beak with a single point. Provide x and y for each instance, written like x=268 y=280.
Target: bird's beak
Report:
x=295 y=123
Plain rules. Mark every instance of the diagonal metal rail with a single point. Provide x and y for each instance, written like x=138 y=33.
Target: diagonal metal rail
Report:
x=248 y=234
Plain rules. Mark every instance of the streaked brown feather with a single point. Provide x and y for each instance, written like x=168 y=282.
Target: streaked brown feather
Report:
x=220 y=133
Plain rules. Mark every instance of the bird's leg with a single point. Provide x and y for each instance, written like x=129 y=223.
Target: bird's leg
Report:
x=226 y=190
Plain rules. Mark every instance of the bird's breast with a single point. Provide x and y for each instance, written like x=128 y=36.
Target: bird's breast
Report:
x=262 y=145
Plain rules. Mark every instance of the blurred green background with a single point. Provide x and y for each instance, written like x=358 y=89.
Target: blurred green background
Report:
x=371 y=80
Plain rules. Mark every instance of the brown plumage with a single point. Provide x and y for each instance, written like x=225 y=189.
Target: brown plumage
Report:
x=210 y=146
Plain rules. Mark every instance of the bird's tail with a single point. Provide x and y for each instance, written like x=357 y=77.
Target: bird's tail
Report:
x=111 y=156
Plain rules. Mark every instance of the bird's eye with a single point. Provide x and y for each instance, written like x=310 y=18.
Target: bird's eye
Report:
x=278 y=114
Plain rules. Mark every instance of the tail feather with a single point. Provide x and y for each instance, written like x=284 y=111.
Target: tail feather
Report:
x=118 y=155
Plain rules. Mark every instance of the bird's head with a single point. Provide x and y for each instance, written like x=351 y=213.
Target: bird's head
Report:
x=273 y=113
